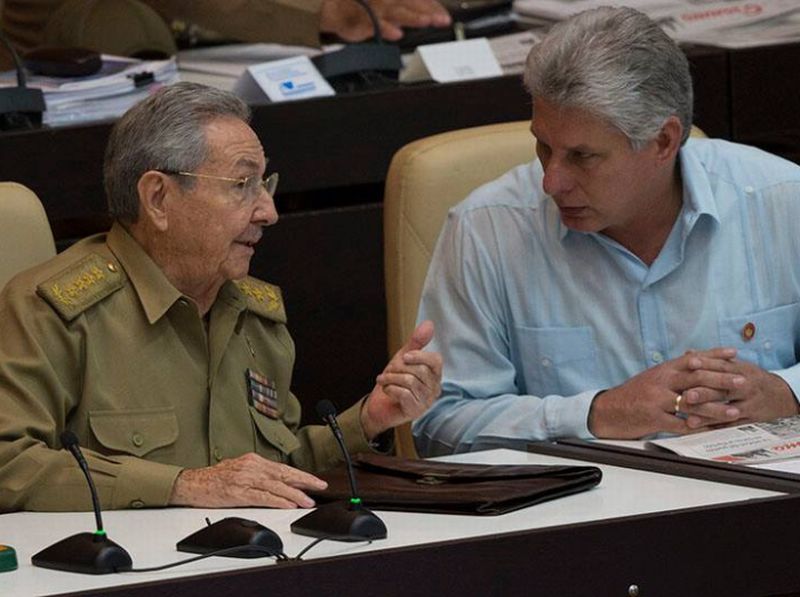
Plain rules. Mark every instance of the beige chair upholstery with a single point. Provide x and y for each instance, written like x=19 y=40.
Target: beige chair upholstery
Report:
x=25 y=236
x=425 y=179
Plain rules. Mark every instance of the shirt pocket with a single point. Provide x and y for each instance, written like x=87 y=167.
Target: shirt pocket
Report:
x=138 y=432
x=771 y=334
x=556 y=360
x=274 y=437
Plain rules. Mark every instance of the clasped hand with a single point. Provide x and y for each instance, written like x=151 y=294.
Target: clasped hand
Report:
x=715 y=388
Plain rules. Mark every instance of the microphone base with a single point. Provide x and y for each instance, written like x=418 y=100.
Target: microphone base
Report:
x=341 y=521
x=86 y=553
x=352 y=67
x=21 y=108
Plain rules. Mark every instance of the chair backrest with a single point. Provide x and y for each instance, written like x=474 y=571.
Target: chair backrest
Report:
x=25 y=235
x=426 y=178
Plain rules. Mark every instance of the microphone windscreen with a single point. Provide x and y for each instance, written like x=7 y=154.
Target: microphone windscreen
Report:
x=326 y=409
x=68 y=439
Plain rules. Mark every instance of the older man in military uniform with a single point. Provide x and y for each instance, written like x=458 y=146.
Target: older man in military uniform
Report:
x=153 y=345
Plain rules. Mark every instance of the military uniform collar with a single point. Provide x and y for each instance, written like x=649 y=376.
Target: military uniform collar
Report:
x=155 y=291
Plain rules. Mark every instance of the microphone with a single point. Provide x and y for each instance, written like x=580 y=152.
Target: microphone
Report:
x=341 y=521
x=21 y=107
x=354 y=66
x=88 y=553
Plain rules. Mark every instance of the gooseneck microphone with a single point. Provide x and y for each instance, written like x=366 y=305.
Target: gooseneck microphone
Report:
x=361 y=65
x=327 y=412
x=21 y=107
x=342 y=521
x=70 y=441
x=88 y=553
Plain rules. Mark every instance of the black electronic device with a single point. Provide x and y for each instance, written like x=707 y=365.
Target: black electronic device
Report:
x=358 y=66
x=21 y=107
x=475 y=18
x=341 y=521
x=88 y=553
x=63 y=62
x=233 y=532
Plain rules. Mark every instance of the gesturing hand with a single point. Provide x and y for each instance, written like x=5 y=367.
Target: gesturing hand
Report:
x=248 y=480
x=407 y=386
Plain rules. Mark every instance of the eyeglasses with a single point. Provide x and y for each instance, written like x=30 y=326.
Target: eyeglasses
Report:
x=248 y=187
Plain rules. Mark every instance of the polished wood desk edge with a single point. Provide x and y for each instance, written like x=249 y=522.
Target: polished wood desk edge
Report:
x=705 y=550
x=668 y=463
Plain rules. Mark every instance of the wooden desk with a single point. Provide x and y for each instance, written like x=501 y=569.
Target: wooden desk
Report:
x=668 y=535
x=333 y=153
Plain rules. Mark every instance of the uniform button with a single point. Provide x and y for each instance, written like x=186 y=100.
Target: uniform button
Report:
x=657 y=356
x=183 y=302
x=217 y=454
x=111 y=267
x=748 y=331
x=137 y=439
x=546 y=362
x=137 y=504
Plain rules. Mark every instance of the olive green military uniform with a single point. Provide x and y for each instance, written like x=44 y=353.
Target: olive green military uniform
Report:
x=32 y=23
x=98 y=341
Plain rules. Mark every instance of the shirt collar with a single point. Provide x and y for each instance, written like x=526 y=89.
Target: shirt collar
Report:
x=155 y=291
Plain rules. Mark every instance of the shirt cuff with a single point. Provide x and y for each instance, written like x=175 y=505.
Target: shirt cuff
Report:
x=144 y=484
x=570 y=417
x=350 y=423
x=792 y=378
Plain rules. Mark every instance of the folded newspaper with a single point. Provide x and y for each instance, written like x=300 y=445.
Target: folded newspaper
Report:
x=750 y=443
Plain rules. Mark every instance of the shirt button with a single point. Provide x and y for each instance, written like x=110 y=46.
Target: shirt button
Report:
x=546 y=362
x=657 y=356
x=183 y=302
x=217 y=454
x=137 y=504
x=767 y=345
x=749 y=190
x=137 y=439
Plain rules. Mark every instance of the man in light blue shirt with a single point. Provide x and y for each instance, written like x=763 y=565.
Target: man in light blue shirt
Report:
x=626 y=283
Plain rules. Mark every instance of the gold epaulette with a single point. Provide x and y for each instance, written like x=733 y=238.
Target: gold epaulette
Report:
x=83 y=284
x=263 y=299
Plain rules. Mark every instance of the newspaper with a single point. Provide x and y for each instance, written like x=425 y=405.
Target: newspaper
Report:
x=724 y=23
x=744 y=444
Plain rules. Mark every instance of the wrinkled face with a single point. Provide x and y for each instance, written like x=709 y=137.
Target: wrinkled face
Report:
x=215 y=224
x=598 y=181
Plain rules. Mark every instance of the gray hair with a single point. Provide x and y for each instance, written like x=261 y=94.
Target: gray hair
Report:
x=162 y=132
x=617 y=64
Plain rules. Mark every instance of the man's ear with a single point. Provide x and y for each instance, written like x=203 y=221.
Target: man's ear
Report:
x=668 y=141
x=154 y=188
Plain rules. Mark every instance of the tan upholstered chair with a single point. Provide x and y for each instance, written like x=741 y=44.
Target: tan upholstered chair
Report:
x=25 y=236
x=425 y=179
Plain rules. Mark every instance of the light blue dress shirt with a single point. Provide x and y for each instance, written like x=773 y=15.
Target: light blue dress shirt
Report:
x=533 y=319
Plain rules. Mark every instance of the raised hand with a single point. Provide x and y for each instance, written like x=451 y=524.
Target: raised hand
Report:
x=407 y=386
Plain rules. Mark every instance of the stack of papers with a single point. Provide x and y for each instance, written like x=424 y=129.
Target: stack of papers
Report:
x=119 y=84
x=724 y=23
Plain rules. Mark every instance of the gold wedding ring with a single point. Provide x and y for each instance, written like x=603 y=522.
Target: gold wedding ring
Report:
x=678 y=399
